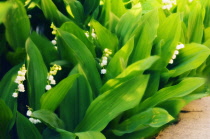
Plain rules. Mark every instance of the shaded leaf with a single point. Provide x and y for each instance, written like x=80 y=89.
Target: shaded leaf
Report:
x=46 y=48
x=25 y=133
x=5 y=119
x=48 y=117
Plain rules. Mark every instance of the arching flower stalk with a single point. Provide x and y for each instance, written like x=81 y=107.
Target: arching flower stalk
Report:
x=19 y=80
x=104 y=60
x=50 y=77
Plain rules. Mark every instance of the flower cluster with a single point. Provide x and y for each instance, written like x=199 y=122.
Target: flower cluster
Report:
x=93 y=34
x=103 y=62
x=168 y=4
x=19 y=80
x=176 y=52
x=50 y=77
x=34 y=121
x=54 y=28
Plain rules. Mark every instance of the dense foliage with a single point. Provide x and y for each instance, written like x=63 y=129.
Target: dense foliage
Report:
x=96 y=69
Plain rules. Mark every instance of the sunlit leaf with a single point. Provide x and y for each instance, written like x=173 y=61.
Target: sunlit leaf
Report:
x=52 y=98
x=36 y=74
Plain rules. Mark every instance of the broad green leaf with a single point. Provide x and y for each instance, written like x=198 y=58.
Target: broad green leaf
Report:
x=76 y=10
x=105 y=15
x=48 y=117
x=46 y=48
x=52 y=98
x=90 y=135
x=142 y=134
x=104 y=37
x=206 y=4
x=150 y=5
x=79 y=33
x=5 y=6
x=135 y=69
x=170 y=40
x=190 y=57
x=153 y=84
x=76 y=102
x=8 y=86
x=119 y=60
x=36 y=74
x=207 y=34
x=57 y=134
x=195 y=23
x=185 y=87
x=118 y=8
x=153 y=117
x=127 y=24
x=74 y=50
x=113 y=102
x=25 y=129
x=5 y=119
x=52 y=13
x=17 y=25
x=173 y=106
x=90 y=6
x=145 y=34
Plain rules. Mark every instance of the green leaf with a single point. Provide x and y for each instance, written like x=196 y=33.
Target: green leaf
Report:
x=120 y=60
x=145 y=34
x=113 y=102
x=104 y=37
x=52 y=98
x=195 y=23
x=8 y=86
x=153 y=117
x=79 y=33
x=76 y=10
x=117 y=7
x=90 y=135
x=134 y=69
x=36 y=74
x=190 y=57
x=3 y=11
x=150 y=5
x=5 y=119
x=90 y=6
x=25 y=129
x=52 y=13
x=46 y=48
x=17 y=25
x=76 y=102
x=57 y=134
x=185 y=87
x=73 y=50
x=48 y=117
x=127 y=24
x=169 y=40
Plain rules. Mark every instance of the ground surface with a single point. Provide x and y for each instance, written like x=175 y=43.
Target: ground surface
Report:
x=193 y=125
